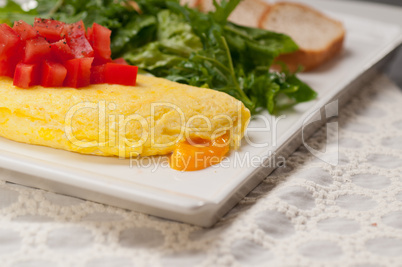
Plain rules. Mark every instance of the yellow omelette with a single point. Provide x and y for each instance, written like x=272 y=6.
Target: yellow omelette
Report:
x=151 y=118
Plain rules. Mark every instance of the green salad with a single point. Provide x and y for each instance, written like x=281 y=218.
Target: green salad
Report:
x=181 y=44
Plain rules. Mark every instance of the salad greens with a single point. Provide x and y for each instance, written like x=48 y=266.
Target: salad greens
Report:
x=187 y=46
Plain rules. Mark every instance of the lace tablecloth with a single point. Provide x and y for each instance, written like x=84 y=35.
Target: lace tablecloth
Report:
x=307 y=213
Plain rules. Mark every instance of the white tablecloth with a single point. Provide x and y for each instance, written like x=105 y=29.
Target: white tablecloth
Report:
x=307 y=213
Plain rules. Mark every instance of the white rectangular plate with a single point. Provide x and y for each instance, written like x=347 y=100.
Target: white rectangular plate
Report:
x=200 y=197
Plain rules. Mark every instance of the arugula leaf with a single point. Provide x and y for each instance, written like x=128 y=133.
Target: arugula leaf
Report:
x=223 y=10
x=304 y=92
x=174 y=42
x=12 y=11
x=236 y=60
x=137 y=32
x=48 y=7
x=11 y=6
x=256 y=47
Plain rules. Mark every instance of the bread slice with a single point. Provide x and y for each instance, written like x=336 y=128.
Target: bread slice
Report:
x=319 y=37
x=247 y=13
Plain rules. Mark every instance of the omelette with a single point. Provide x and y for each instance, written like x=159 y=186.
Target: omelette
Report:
x=155 y=117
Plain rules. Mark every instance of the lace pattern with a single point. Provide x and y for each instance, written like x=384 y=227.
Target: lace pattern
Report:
x=307 y=213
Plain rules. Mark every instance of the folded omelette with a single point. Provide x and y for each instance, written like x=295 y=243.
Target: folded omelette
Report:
x=150 y=118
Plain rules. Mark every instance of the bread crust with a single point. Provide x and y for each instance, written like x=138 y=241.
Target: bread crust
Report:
x=308 y=59
x=259 y=8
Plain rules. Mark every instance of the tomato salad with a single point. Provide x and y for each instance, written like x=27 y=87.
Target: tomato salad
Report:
x=52 y=53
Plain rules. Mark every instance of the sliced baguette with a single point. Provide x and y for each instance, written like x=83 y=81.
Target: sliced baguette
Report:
x=319 y=37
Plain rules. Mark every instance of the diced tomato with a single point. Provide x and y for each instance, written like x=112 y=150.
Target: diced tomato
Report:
x=61 y=51
x=98 y=74
x=6 y=69
x=89 y=35
x=120 y=74
x=81 y=47
x=120 y=61
x=113 y=73
x=26 y=75
x=74 y=29
x=36 y=50
x=9 y=41
x=54 y=54
x=50 y=29
x=78 y=72
x=100 y=61
x=76 y=39
x=24 y=30
x=53 y=74
x=99 y=38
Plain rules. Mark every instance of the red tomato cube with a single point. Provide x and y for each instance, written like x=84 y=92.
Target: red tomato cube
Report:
x=53 y=74
x=89 y=35
x=50 y=29
x=26 y=75
x=5 y=69
x=98 y=74
x=61 y=51
x=99 y=38
x=36 y=50
x=120 y=74
x=100 y=61
x=78 y=72
x=24 y=30
x=74 y=29
x=77 y=41
x=9 y=41
x=120 y=61
x=81 y=47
